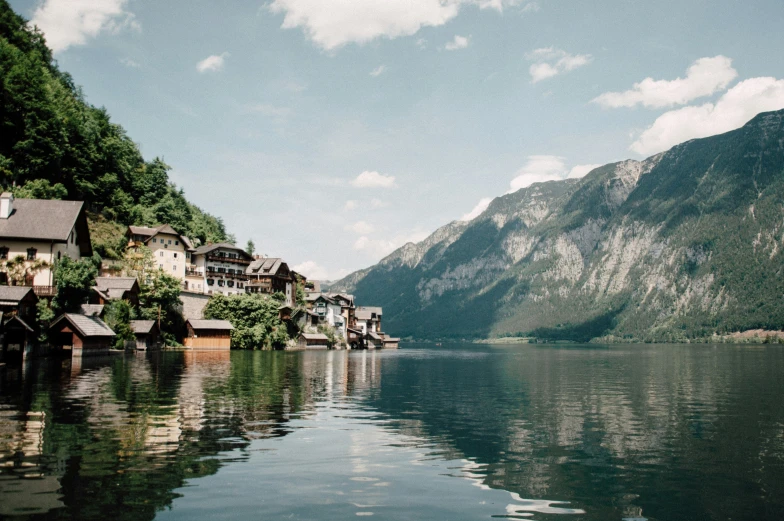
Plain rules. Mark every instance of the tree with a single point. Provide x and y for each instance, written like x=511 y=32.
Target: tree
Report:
x=73 y=280
x=255 y=317
x=250 y=248
x=159 y=299
x=118 y=315
x=40 y=189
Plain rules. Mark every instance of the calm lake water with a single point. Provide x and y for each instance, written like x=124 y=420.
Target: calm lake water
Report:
x=460 y=432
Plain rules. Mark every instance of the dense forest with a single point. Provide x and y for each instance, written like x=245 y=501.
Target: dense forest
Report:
x=55 y=145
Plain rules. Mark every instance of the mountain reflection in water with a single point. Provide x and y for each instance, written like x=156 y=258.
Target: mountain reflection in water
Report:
x=460 y=432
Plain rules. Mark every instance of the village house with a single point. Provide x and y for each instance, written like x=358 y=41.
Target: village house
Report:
x=218 y=268
x=271 y=275
x=115 y=288
x=148 y=336
x=17 y=314
x=171 y=251
x=208 y=334
x=329 y=311
x=312 y=341
x=82 y=335
x=34 y=234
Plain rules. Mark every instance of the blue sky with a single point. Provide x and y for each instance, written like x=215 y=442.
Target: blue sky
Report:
x=332 y=131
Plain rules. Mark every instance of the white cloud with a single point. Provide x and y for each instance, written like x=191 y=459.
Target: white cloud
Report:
x=378 y=71
x=539 y=169
x=212 y=63
x=66 y=23
x=421 y=43
x=480 y=207
x=459 y=42
x=705 y=77
x=331 y=25
x=379 y=248
x=350 y=205
x=551 y=62
x=531 y=7
x=360 y=228
x=130 y=63
x=314 y=271
x=736 y=107
x=369 y=179
x=579 y=171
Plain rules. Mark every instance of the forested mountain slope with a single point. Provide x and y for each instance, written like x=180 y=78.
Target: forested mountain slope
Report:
x=682 y=245
x=55 y=145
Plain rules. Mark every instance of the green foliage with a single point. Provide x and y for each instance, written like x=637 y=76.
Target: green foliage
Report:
x=44 y=316
x=250 y=248
x=56 y=145
x=118 y=315
x=329 y=332
x=159 y=299
x=255 y=318
x=73 y=280
x=300 y=291
x=20 y=270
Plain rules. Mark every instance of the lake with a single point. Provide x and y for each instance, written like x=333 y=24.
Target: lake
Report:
x=459 y=432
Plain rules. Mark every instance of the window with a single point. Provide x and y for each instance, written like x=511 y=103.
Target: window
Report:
x=210 y=282
x=59 y=254
x=31 y=253
x=169 y=241
x=160 y=266
x=154 y=239
x=176 y=243
x=175 y=254
x=230 y=283
x=161 y=254
x=73 y=236
x=3 y=253
x=220 y=282
x=174 y=267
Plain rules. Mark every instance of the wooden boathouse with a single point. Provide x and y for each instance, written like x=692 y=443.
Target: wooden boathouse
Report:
x=81 y=335
x=208 y=334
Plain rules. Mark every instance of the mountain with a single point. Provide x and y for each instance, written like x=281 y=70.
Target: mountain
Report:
x=682 y=245
x=55 y=145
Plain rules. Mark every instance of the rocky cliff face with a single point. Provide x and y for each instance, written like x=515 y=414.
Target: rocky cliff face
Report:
x=681 y=245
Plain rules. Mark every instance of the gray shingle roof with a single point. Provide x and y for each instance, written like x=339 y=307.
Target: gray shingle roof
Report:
x=142 y=326
x=14 y=293
x=366 y=312
x=210 y=324
x=165 y=228
x=41 y=219
x=104 y=283
x=86 y=326
x=207 y=248
x=92 y=309
x=268 y=266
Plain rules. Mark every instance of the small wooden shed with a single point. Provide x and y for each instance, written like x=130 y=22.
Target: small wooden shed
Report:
x=17 y=338
x=313 y=341
x=147 y=335
x=208 y=334
x=81 y=334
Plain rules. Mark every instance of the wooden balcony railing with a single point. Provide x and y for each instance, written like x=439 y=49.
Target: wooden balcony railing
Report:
x=45 y=291
x=219 y=258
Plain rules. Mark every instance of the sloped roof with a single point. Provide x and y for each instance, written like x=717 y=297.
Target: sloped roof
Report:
x=207 y=248
x=375 y=336
x=16 y=318
x=87 y=326
x=14 y=294
x=104 y=283
x=41 y=219
x=210 y=324
x=164 y=228
x=142 y=326
x=314 y=336
x=268 y=266
x=92 y=309
x=366 y=312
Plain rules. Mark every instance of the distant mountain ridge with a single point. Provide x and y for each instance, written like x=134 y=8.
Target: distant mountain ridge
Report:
x=682 y=245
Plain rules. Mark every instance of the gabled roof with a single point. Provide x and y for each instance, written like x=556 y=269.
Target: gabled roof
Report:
x=142 y=327
x=124 y=283
x=92 y=310
x=12 y=295
x=210 y=324
x=149 y=233
x=207 y=248
x=86 y=326
x=268 y=266
x=314 y=336
x=367 y=312
x=41 y=219
x=16 y=319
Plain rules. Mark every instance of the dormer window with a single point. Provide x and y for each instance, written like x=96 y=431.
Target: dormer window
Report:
x=31 y=253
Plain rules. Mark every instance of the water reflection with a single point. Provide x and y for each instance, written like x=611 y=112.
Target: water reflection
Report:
x=671 y=432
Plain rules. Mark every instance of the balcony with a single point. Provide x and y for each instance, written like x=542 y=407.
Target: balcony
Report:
x=220 y=258
x=45 y=291
x=211 y=272
x=194 y=273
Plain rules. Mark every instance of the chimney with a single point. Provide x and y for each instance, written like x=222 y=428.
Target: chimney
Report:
x=6 y=205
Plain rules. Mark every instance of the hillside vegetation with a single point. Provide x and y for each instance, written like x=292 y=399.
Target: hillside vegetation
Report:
x=55 y=145
x=683 y=245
